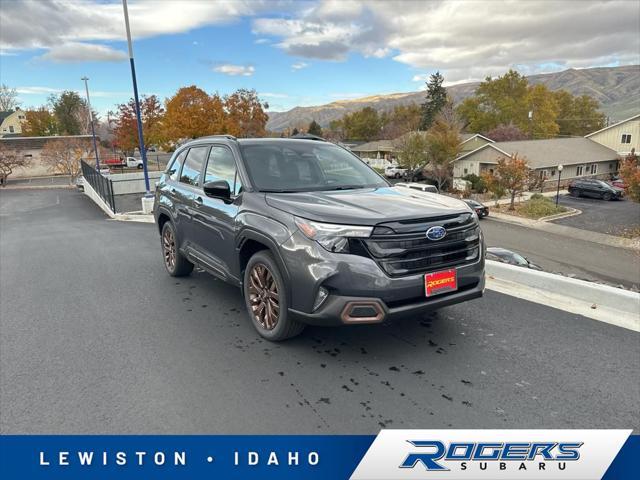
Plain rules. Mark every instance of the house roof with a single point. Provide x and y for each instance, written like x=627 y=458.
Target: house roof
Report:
x=4 y=114
x=35 y=143
x=375 y=146
x=614 y=125
x=553 y=151
x=470 y=136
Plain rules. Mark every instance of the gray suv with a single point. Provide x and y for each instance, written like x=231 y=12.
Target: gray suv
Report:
x=312 y=235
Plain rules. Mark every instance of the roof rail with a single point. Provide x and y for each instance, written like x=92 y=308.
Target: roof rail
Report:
x=230 y=137
x=308 y=136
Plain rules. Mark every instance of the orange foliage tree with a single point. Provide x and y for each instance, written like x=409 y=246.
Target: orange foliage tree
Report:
x=511 y=175
x=125 y=132
x=192 y=113
x=630 y=173
x=246 y=116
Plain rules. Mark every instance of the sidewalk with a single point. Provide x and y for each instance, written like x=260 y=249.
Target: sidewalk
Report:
x=589 y=236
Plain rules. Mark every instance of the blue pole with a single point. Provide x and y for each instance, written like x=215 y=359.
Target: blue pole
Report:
x=143 y=152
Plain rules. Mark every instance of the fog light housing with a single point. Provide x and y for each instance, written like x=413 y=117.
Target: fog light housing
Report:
x=320 y=298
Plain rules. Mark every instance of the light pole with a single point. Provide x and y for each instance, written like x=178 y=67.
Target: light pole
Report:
x=143 y=152
x=560 y=167
x=93 y=130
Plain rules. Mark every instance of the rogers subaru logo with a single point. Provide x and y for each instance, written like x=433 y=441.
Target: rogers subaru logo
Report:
x=431 y=454
x=436 y=233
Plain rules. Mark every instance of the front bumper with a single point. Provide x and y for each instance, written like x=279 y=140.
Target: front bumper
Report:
x=353 y=279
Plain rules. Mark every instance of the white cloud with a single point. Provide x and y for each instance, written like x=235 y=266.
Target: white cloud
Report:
x=273 y=95
x=83 y=52
x=235 y=70
x=299 y=66
x=422 y=77
x=464 y=40
x=37 y=90
x=261 y=41
x=42 y=90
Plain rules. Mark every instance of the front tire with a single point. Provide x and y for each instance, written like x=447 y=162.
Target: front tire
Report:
x=607 y=196
x=266 y=299
x=176 y=264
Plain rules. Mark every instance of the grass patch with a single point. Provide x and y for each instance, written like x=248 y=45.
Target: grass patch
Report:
x=535 y=208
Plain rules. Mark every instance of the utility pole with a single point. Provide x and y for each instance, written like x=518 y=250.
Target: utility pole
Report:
x=143 y=152
x=93 y=130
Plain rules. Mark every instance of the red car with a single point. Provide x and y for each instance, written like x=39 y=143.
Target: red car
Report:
x=618 y=183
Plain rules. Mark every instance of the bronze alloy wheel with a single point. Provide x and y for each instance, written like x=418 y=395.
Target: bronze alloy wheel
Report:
x=263 y=296
x=169 y=249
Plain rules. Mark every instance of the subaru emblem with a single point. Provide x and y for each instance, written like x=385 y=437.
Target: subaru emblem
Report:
x=436 y=233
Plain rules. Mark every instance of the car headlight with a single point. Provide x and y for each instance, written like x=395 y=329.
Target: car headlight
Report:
x=332 y=237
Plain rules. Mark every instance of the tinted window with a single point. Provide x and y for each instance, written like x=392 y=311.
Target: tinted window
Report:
x=305 y=166
x=222 y=166
x=173 y=170
x=193 y=165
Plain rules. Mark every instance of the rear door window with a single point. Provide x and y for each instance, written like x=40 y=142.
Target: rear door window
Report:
x=193 y=166
x=174 y=169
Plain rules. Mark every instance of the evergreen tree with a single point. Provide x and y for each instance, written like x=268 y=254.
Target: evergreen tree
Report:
x=434 y=101
x=314 y=129
x=294 y=132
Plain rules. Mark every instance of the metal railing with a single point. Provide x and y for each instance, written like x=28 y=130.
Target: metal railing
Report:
x=102 y=185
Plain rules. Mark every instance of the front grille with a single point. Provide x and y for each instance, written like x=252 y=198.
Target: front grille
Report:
x=409 y=251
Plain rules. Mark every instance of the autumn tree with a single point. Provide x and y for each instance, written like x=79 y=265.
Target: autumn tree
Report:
x=544 y=111
x=435 y=99
x=192 y=113
x=63 y=155
x=10 y=159
x=509 y=99
x=443 y=146
x=125 y=130
x=506 y=133
x=39 y=123
x=411 y=149
x=245 y=114
x=314 y=128
x=510 y=175
x=402 y=119
x=71 y=113
x=362 y=125
x=630 y=173
x=578 y=115
x=8 y=98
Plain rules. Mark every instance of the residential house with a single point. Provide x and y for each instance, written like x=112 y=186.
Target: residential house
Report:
x=580 y=157
x=472 y=141
x=377 y=153
x=11 y=122
x=621 y=137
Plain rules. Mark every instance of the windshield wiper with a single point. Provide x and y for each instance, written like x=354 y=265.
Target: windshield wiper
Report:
x=279 y=191
x=347 y=187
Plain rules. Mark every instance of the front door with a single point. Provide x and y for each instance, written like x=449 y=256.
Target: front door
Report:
x=214 y=219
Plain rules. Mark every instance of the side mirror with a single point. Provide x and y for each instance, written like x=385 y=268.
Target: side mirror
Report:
x=218 y=189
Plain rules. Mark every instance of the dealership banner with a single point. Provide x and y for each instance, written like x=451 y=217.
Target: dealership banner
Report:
x=392 y=454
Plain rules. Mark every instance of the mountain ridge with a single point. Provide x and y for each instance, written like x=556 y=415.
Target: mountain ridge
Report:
x=616 y=88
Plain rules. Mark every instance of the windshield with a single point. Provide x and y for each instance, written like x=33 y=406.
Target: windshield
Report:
x=297 y=166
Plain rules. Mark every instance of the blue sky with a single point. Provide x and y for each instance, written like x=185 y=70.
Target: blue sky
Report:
x=299 y=53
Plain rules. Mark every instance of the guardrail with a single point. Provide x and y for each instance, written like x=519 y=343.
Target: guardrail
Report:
x=100 y=184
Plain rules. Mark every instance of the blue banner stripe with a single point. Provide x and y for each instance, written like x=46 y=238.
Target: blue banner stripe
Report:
x=627 y=463
x=206 y=456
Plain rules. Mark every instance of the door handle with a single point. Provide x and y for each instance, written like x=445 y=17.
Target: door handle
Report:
x=198 y=200
x=173 y=190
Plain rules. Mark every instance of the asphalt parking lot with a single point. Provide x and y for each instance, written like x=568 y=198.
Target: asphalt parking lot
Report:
x=613 y=217
x=96 y=338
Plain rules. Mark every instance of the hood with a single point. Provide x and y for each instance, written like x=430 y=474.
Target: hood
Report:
x=366 y=206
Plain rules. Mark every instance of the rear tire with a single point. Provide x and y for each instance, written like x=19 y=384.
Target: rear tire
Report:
x=175 y=262
x=574 y=192
x=397 y=175
x=266 y=299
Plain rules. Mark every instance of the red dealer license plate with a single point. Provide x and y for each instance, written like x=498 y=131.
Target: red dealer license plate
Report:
x=440 y=282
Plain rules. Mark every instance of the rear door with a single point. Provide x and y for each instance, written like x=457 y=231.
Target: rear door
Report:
x=214 y=219
x=189 y=185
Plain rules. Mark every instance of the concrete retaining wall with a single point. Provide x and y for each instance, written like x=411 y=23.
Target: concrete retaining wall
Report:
x=600 y=302
x=125 y=183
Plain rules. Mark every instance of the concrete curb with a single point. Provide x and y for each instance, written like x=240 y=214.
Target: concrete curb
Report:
x=571 y=212
x=140 y=218
x=599 y=302
x=587 y=235
x=37 y=187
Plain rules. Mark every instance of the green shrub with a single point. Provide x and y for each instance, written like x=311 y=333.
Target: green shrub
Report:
x=538 y=207
x=536 y=196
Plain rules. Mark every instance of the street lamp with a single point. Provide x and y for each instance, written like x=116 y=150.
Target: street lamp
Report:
x=560 y=167
x=93 y=130
x=143 y=152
